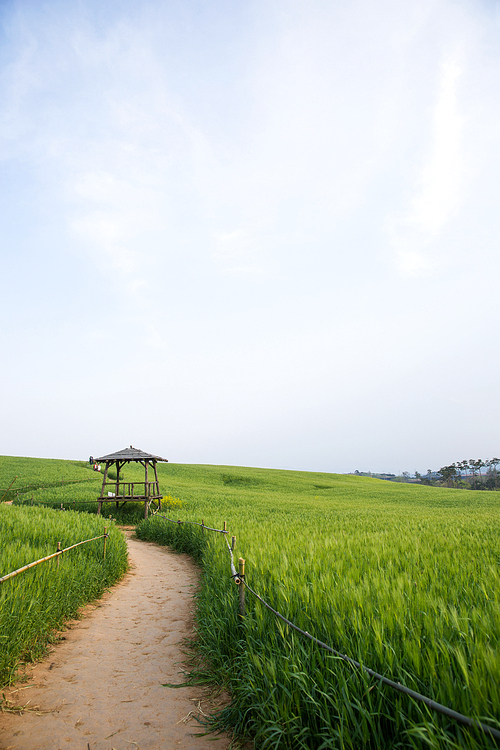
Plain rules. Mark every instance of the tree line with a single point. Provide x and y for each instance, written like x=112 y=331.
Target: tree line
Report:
x=475 y=474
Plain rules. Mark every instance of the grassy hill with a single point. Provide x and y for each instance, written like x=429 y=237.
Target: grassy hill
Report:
x=26 y=475
x=401 y=577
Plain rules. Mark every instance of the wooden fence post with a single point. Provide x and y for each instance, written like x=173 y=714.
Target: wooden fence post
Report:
x=233 y=543
x=225 y=528
x=105 y=538
x=202 y=526
x=241 y=576
x=58 y=549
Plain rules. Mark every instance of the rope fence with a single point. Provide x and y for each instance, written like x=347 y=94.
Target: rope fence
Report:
x=239 y=578
x=55 y=554
x=46 y=486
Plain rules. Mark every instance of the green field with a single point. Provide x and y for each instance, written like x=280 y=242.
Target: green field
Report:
x=403 y=578
x=38 y=601
x=25 y=476
x=72 y=484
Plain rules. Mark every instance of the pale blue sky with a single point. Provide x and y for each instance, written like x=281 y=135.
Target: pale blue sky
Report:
x=256 y=233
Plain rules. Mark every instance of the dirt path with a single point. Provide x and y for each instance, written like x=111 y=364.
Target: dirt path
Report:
x=101 y=687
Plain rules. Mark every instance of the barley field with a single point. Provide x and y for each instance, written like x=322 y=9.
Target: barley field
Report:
x=36 y=602
x=402 y=578
x=72 y=485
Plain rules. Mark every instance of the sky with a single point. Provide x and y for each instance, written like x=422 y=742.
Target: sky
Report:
x=257 y=233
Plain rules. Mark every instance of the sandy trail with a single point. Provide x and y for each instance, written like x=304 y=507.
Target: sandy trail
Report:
x=101 y=687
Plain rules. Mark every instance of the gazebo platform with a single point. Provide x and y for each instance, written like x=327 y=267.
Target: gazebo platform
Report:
x=120 y=492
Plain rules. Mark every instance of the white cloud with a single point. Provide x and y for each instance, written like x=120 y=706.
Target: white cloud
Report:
x=438 y=189
x=442 y=175
x=235 y=253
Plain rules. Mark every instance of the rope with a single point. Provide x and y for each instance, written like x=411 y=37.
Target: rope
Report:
x=233 y=569
x=433 y=705
x=48 y=557
x=395 y=685
x=192 y=523
x=51 y=485
x=43 y=503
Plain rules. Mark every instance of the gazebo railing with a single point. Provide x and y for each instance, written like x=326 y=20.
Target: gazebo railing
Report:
x=130 y=490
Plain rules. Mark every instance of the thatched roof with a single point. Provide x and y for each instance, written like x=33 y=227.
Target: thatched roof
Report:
x=130 y=454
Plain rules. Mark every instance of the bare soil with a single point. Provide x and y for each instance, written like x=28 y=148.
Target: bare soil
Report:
x=101 y=688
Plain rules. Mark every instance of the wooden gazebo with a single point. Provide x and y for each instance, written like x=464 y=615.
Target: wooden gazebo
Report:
x=117 y=491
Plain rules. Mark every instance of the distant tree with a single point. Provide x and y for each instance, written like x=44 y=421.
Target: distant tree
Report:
x=448 y=474
x=406 y=475
x=492 y=464
x=427 y=478
x=489 y=481
x=472 y=470
x=418 y=476
x=479 y=464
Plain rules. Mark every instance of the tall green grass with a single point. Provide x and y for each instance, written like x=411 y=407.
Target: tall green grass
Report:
x=74 y=485
x=81 y=498
x=39 y=600
x=26 y=475
x=404 y=579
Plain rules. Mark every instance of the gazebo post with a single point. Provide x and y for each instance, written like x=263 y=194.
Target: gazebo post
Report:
x=157 y=484
x=117 y=490
x=117 y=493
x=99 y=506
